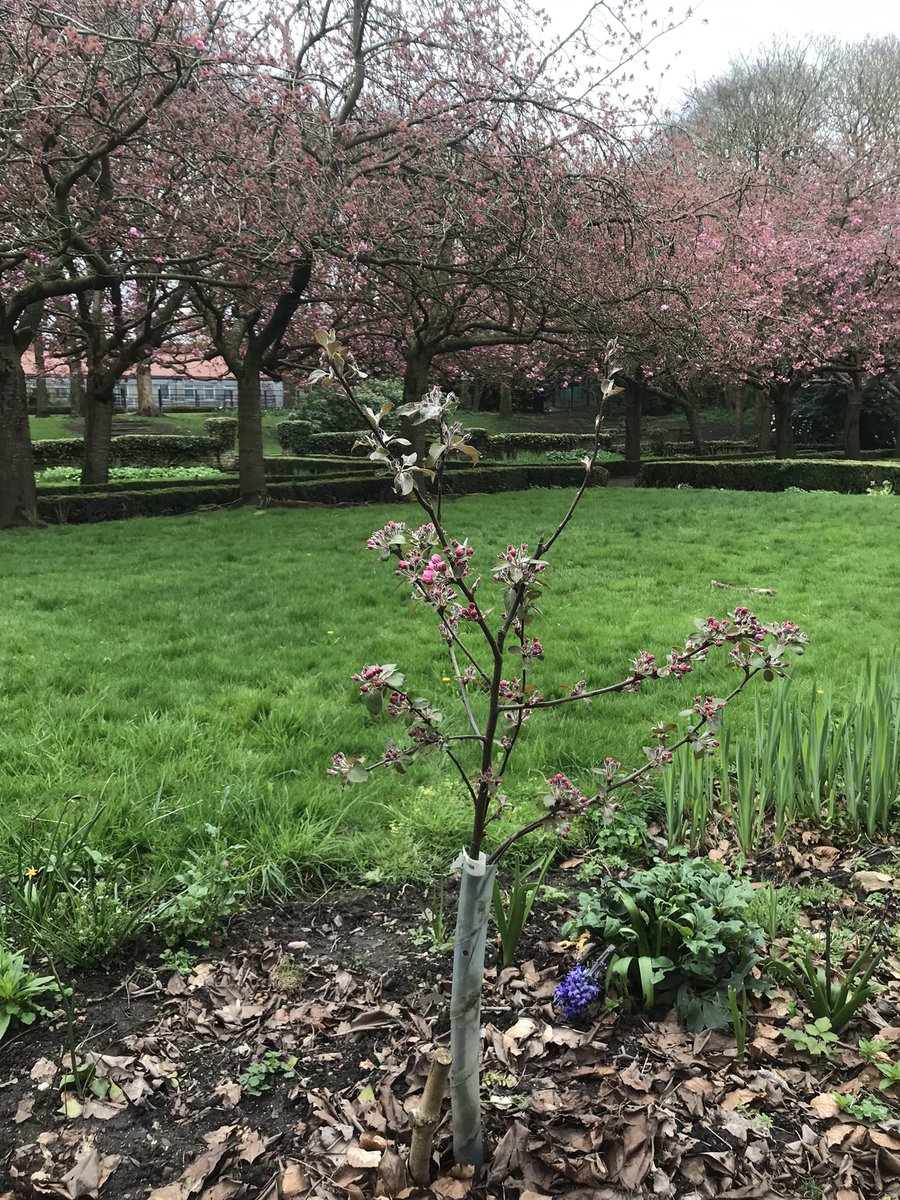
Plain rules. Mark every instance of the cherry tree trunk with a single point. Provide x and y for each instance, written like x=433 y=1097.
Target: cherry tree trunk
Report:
x=18 y=505
x=506 y=405
x=694 y=428
x=41 y=391
x=852 y=414
x=415 y=385
x=633 y=415
x=784 y=429
x=288 y=392
x=735 y=400
x=251 y=466
x=144 y=381
x=477 y=388
x=76 y=388
x=764 y=413
x=98 y=419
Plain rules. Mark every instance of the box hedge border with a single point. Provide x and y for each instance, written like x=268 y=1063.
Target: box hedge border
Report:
x=87 y=507
x=770 y=475
x=129 y=450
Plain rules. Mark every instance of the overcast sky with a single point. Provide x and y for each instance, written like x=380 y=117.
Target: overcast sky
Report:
x=722 y=29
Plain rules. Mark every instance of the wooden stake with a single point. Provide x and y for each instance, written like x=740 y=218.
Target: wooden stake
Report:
x=426 y=1117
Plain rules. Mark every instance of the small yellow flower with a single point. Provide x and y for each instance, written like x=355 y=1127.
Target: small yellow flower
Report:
x=31 y=872
x=445 y=678
x=820 y=691
x=330 y=632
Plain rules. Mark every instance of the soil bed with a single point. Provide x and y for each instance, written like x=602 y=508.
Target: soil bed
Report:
x=348 y=999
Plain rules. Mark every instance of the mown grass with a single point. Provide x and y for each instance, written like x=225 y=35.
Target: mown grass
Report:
x=193 y=674
x=56 y=426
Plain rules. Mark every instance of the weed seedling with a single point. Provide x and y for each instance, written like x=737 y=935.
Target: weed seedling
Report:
x=262 y=1075
x=863 y=1108
x=815 y=1038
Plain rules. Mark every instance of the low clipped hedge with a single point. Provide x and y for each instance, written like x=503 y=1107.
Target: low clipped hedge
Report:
x=130 y=485
x=507 y=445
x=770 y=475
x=306 y=464
x=335 y=444
x=294 y=435
x=88 y=507
x=222 y=432
x=128 y=450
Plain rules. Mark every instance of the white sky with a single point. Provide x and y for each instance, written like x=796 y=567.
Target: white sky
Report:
x=700 y=50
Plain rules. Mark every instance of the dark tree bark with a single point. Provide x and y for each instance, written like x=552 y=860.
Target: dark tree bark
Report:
x=251 y=463
x=288 y=392
x=506 y=404
x=144 y=381
x=764 y=414
x=415 y=385
x=695 y=429
x=852 y=414
x=477 y=388
x=783 y=402
x=633 y=422
x=18 y=504
x=98 y=418
x=76 y=387
x=736 y=402
x=41 y=391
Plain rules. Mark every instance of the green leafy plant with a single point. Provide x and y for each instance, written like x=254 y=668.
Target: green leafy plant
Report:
x=209 y=887
x=181 y=961
x=436 y=933
x=513 y=908
x=816 y=1038
x=19 y=991
x=870 y=1049
x=680 y=934
x=890 y=1074
x=825 y=993
x=262 y=1075
x=863 y=1108
x=737 y=1002
x=760 y=1121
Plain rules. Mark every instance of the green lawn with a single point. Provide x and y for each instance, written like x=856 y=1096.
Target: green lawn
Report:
x=182 y=422
x=581 y=420
x=194 y=672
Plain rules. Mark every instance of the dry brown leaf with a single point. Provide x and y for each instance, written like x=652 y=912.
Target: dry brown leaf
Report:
x=449 y=1188
x=294 y=1182
x=169 y=1191
x=252 y=1145
x=530 y=1195
x=195 y=1174
x=377 y=1018
x=872 y=881
x=90 y=1172
x=825 y=1106
x=391 y=1174
x=43 y=1071
x=23 y=1112
x=228 y=1094
x=372 y=1141
x=739 y=1096
x=887 y=1141
x=223 y=1189
x=357 y=1157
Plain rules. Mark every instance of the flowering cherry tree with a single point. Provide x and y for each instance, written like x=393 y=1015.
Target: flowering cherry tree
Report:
x=81 y=89
x=483 y=612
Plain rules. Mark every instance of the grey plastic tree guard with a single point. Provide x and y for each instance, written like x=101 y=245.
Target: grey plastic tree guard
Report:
x=475 y=893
